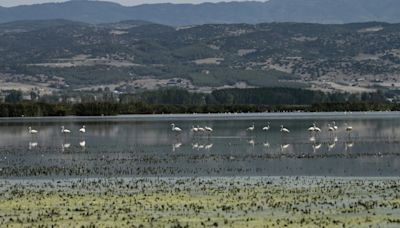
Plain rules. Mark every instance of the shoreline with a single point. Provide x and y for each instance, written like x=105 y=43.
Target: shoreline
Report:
x=217 y=116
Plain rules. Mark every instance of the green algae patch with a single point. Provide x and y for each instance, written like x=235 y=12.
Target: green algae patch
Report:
x=195 y=202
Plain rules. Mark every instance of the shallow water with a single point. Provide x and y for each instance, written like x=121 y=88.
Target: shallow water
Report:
x=136 y=146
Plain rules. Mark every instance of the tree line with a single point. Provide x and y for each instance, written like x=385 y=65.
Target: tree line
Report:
x=168 y=101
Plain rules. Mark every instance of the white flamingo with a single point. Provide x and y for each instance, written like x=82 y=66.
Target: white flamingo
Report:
x=251 y=128
x=194 y=129
x=201 y=129
x=175 y=129
x=208 y=129
x=349 y=129
x=83 y=129
x=266 y=128
x=330 y=128
x=64 y=130
x=316 y=129
x=32 y=131
x=284 y=130
x=335 y=126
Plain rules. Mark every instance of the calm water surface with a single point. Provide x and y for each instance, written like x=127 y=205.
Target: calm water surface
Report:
x=136 y=146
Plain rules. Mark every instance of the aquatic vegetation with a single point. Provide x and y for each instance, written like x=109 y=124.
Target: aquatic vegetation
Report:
x=236 y=201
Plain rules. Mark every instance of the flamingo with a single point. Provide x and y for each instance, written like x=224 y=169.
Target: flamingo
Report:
x=349 y=129
x=266 y=128
x=64 y=130
x=316 y=129
x=208 y=129
x=330 y=128
x=251 y=128
x=194 y=129
x=32 y=131
x=201 y=129
x=175 y=129
x=335 y=126
x=83 y=129
x=284 y=130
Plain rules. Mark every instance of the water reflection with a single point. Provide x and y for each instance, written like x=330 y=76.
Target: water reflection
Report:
x=32 y=145
x=229 y=148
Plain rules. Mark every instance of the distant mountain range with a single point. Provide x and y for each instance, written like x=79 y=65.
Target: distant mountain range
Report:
x=251 y=12
x=132 y=55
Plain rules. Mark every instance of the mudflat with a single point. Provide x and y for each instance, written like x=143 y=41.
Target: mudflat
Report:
x=198 y=201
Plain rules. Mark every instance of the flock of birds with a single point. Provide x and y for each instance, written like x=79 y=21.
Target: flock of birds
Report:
x=313 y=129
x=197 y=130
x=64 y=131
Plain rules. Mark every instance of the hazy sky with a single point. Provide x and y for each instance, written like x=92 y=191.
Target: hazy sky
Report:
x=9 y=3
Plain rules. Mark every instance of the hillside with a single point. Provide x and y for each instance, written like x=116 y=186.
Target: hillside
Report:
x=136 y=55
x=250 y=12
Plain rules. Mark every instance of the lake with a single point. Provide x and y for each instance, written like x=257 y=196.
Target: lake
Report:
x=145 y=146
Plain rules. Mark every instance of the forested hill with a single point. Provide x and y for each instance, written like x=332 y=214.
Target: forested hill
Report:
x=251 y=12
x=138 y=54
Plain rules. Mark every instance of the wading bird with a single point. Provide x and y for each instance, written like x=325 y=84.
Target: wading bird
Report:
x=284 y=130
x=64 y=130
x=349 y=129
x=209 y=130
x=266 y=128
x=335 y=126
x=175 y=129
x=32 y=131
x=251 y=128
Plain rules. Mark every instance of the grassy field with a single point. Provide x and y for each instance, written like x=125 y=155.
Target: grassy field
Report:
x=179 y=202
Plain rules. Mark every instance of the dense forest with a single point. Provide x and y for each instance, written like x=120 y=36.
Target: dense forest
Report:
x=174 y=100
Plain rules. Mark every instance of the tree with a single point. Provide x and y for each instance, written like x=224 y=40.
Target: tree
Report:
x=14 y=96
